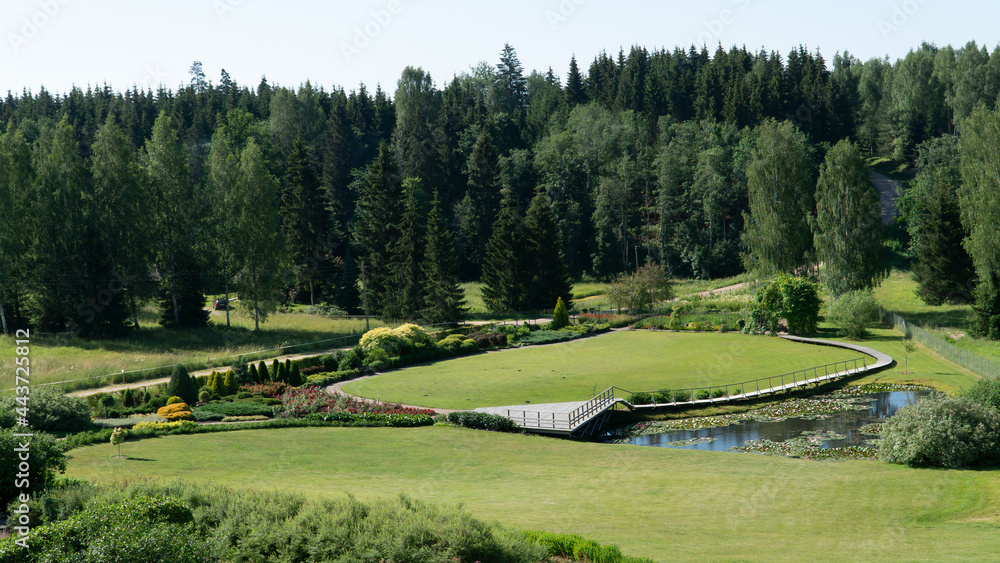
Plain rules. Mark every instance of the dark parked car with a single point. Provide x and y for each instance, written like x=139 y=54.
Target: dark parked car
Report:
x=220 y=303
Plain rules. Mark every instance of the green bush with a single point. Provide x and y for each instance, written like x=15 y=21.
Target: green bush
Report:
x=134 y=531
x=640 y=398
x=205 y=395
x=352 y=359
x=703 y=394
x=716 y=393
x=483 y=421
x=560 y=315
x=852 y=312
x=60 y=501
x=985 y=392
x=580 y=549
x=245 y=526
x=546 y=337
x=49 y=410
x=664 y=396
x=47 y=459
x=681 y=395
x=945 y=432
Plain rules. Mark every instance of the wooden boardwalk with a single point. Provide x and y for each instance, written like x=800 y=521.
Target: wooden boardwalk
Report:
x=586 y=417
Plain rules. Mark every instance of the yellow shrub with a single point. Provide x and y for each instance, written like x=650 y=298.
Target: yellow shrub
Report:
x=176 y=411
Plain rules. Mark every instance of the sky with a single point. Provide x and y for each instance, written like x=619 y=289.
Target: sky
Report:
x=61 y=43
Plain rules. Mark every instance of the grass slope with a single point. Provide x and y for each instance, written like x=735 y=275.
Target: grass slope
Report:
x=670 y=505
x=633 y=360
x=57 y=358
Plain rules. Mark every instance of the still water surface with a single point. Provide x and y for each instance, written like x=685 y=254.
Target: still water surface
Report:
x=846 y=423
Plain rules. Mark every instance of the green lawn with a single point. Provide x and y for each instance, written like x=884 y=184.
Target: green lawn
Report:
x=951 y=322
x=63 y=358
x=670 y=505
x=574 y=371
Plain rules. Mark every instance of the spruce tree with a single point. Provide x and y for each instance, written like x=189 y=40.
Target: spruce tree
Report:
x=229 y=384
x=504 y=273
x=254 y=375
x=942 y=267
x=443 y=299
x=848 y=222
x=265 y=377
x=295 y=376
x=575 y=93
x=407 y=298
x=548 y=277
x=182 y=385
x=306 y=222
x=276 y=372
x=376 y=228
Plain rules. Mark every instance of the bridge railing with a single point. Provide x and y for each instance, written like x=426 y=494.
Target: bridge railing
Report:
x=757 y=387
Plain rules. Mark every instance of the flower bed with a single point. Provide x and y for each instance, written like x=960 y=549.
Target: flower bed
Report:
x=297 y=403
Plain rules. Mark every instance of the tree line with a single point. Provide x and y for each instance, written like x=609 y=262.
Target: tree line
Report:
x=274 y=193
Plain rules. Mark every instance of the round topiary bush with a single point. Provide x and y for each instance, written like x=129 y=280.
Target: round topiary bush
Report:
x=942 y=432
x=382 y=338
x=174 y=400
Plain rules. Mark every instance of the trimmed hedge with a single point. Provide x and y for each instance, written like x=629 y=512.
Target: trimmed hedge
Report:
x=237 y=408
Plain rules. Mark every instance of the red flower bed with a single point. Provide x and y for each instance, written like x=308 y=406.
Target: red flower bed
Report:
x=298 y=402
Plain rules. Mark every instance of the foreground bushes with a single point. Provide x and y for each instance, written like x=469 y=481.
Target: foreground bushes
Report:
x=942 y=432
x=212 y=523
x=49 y=410
x=46 y=460
x=482 y=421
x=579 y=549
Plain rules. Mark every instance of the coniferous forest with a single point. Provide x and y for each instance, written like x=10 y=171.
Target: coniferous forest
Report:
x=706 y=163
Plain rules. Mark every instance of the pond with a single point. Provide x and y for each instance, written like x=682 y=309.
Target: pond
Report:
x=841 y=429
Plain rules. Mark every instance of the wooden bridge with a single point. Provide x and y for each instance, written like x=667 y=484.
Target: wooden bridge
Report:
x=584 y=418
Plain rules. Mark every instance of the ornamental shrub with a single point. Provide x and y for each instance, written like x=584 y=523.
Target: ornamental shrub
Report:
x=483 y=421
x=416 y=337
x=383 y=338
x=205 y=395
x=560 y=315
x=352 y=359
x=703 y=394
x=944 y=432
x=182 y=385
x=265 y=376
x=174 y=400
x=254 y=375
x=852 y=312
x=230 y=386
x=175 y=411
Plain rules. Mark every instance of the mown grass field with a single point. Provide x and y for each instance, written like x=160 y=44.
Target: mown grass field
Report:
x=670 y=505
x=574 y=371
x=951 y=322
x=56 y=358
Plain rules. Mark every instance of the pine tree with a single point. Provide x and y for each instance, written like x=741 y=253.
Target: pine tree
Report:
x=146 y=397
x=560 y=315
x=265 y=377
x=128 y=400
x=547 y=273
x=182 y=385
x=505 y=276
x=848 y=221
x=254 y=374
x=444 y=299
x=511 y=83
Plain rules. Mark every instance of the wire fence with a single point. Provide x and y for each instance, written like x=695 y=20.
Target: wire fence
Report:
x=959 y=356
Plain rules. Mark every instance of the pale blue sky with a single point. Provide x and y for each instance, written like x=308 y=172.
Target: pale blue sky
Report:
x=59 y=43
